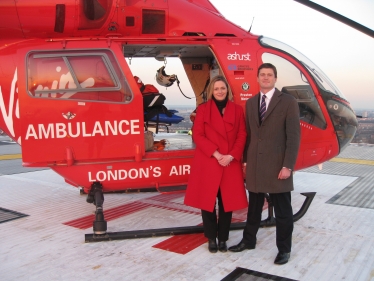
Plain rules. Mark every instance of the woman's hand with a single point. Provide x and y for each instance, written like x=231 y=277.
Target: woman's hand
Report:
x=217 y=155
x=225 y=160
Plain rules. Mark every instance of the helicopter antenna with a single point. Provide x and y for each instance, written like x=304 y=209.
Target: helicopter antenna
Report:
x=251 y=24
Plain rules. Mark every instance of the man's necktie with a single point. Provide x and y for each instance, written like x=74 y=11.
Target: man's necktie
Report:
x=262 y=108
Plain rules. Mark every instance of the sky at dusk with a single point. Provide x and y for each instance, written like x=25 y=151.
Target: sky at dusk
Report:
x=344 y=54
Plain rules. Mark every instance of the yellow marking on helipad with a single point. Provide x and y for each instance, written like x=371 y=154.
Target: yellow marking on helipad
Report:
x=353 y=161
x=10 y=156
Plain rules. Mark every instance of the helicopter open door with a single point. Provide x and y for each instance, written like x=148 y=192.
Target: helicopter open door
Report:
x=78 y=106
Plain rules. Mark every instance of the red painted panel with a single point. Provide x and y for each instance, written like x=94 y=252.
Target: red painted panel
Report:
x=110 y=214
x=127 y=209
x=182 y=244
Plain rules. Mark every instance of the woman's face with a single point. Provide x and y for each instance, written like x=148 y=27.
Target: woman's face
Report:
x=219 y=90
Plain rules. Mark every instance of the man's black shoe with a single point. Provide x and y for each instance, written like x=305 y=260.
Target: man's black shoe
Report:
x=241 y=247
x=222 y=247
x=212 y=246
x=282 y=258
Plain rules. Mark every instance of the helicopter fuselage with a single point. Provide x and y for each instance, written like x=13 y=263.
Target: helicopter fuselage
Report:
x=69 y=98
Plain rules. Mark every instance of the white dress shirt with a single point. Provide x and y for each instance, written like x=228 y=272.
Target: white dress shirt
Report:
x=268 y=95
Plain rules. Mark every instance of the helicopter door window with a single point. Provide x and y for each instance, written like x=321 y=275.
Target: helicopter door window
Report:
x=82 y=76
x=291 y=80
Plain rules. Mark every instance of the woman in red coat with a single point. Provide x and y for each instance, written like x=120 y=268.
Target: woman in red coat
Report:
x=216 y=172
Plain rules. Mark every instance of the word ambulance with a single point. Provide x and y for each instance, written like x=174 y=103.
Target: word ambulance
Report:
x=74 y=130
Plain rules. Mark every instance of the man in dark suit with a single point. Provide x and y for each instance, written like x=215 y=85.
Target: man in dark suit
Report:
x=273 y=138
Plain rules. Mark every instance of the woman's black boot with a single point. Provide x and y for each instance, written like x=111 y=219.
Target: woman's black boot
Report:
x=212 y=246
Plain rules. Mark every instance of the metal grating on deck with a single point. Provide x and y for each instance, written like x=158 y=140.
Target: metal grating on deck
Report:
x=243 y=274
x=358 y=151
x=8 y=215
x=359 y=193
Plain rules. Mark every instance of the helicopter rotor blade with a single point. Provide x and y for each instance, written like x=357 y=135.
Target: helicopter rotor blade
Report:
x=338 y=17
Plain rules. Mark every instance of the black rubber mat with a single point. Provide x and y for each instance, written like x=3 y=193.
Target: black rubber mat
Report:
x=243 y=274
x=9 y=215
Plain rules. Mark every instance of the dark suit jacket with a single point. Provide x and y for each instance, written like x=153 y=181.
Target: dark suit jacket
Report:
x=273 y=144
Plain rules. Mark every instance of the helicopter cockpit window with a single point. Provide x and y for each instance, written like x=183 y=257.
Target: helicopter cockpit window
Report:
x=292 y=81
x=321 y=79
x=86 y=76
x=341 y=114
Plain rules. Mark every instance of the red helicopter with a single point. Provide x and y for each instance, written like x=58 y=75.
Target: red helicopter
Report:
x=69 y=98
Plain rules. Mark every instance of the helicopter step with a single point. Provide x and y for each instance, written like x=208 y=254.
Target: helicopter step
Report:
x=99 y=236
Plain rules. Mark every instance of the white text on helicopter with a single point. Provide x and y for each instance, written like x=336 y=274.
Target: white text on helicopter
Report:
x=77 y=129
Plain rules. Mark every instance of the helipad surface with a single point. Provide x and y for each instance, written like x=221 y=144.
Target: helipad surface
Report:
x=333 y=241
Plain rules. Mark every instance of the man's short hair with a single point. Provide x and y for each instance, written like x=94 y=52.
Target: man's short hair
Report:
x=267 y=65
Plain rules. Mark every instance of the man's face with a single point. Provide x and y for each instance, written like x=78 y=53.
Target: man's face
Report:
x=266 y=79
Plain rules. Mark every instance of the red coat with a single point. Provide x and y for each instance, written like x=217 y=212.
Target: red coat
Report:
x=226 y=134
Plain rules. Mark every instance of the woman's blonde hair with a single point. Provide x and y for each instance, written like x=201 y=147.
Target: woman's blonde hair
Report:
x=211 y=87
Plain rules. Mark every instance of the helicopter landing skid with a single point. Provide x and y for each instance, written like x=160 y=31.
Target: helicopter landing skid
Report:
x=147 y=233
x=96 y=197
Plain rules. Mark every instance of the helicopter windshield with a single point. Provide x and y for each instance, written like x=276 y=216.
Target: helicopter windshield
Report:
x=321 y=79
x=341 y=114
